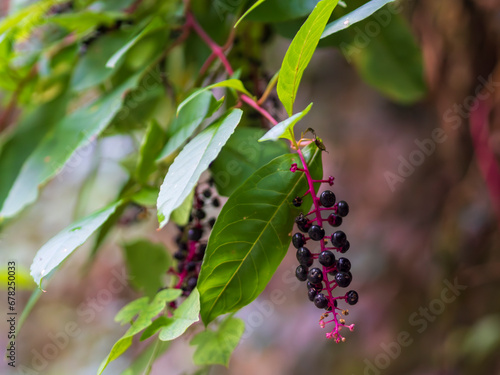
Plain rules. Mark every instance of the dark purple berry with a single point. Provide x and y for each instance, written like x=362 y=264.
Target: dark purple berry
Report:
x=343 y=279
x=200 y=214
x=180 y=255
x=339 y=239
x=194 y=234
x=320 y=301
x=207 y=193
x=346 y=247
x=211 y=222
x=311 y=293
x=216 y=202
x=326 y=258
x=180 y=266
x=334 y=220
x=342 y=208
x=297 y=201
x=315 y=275
x=316 y=232
x=298 y=240
x=190 y=266
x=302 y=223
x=191 y=283
x=304 y=256
x=327 y=198
x=318 y=287
x=351 y=297
x=301 y=273
x=343 y=265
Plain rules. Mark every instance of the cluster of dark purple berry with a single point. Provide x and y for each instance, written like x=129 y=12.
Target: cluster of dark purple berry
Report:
x=192 y=240
x=319 y=288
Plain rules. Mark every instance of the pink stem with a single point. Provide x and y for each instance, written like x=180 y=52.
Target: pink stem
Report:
x=218 y=51
x=330 y=285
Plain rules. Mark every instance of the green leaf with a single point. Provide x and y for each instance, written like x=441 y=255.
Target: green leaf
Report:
x=58 y=248
x=184 y=316
x=285 y=128
x=150 y=27
x=300 y=52
x=68 y=136
x=240 y=157
x=91 y=69
x=151 y=145
x=82 y=22
x=157 y=324
x=252 y=234
x=383 y=51
x=130 y=310
x=216 y=347
x=147 y=263
x=147 y=196
x=146 y=313
x=235 y=84
x=145 y=359
x=117 y=350
x=181 y=214
x=188 y=120
x=255 y=5
x=30 y=131
x=192 y=161
x=282 y=10
x=391 y=62
x=364 y=11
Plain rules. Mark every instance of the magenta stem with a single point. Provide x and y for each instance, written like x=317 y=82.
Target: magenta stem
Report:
x=218 y=51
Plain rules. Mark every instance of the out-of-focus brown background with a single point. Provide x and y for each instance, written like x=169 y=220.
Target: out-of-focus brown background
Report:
x=411 y=239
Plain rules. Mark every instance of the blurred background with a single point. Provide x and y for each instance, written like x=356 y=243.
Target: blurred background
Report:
x=422 y=183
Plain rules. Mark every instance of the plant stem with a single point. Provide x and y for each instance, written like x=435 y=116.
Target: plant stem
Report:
x=218 y=51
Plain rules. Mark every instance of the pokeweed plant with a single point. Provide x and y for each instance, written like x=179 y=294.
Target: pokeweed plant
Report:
x=150 y=70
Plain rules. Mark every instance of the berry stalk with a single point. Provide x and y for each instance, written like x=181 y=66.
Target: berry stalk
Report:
x=320 y=287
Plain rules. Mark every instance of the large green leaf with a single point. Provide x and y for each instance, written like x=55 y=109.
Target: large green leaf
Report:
x=58 y=248
x=216 y=347
x=188 y=120
x=252 y=234
x=282 y=10
x=184 y=316
x=192 y=161
x=355 y=16
x=392 y=62
x=241 y=156
x=382 y=48
x=30 y=131
x=58 y=146
x=285 y=128
x=147 y=263
x=300 y=52
x=146 y=312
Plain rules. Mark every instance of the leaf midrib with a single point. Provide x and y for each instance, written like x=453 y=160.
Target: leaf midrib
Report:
x=258 y=238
